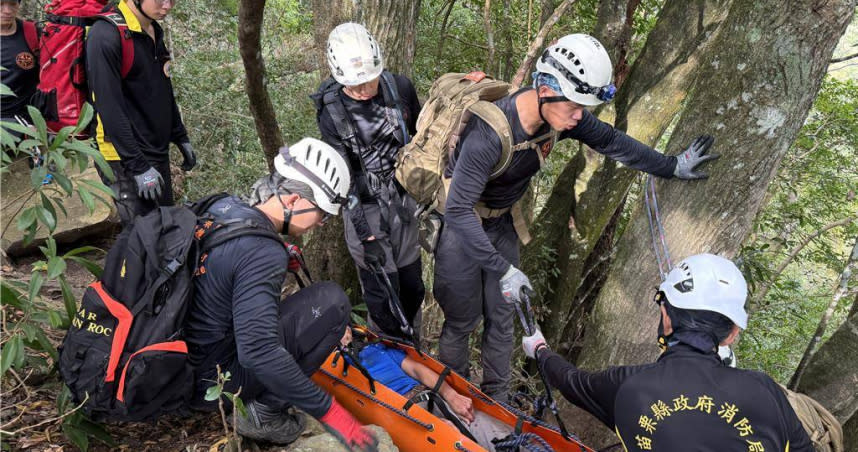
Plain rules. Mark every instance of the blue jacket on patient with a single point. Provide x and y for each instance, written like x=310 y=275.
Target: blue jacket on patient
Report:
x=385 y=365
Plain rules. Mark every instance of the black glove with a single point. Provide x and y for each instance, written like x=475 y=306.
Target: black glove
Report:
x=373 y=254
x=188 y=153
x=694 y=156
x=149 y=184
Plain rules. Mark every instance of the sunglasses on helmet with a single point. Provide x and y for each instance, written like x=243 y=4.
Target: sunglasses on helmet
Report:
x=603 y=93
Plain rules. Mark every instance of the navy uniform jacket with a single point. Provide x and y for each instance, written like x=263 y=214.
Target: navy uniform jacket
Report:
x=686 y=401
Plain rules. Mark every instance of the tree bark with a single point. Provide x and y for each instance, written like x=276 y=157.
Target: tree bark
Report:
x=755 y=93
x=327 y=14
x=490 y=35
x=839 y=292
x=250 y=14
x=614 y=30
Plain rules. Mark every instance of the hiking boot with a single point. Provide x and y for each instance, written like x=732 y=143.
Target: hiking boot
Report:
x=263 y=423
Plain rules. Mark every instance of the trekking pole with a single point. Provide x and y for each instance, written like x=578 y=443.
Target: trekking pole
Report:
x=395 y=306
x=527 y=318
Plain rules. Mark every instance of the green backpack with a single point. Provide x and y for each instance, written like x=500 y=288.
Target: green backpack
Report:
x=453 y=100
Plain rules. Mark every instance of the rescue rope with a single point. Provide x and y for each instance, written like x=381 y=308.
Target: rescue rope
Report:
x=379 y=402
x=528 y=441
x=656 y=229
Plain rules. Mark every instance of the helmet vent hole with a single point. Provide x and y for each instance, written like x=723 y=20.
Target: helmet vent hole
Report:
x=577 y=62
x=726 y=283
x=684 y=286
x=581 y=71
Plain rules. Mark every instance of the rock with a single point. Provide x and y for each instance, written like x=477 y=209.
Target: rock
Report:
x=78 y=224
x=319 y=440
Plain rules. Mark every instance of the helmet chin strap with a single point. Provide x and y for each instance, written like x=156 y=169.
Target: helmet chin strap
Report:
x=548 y=100
x=139 y=5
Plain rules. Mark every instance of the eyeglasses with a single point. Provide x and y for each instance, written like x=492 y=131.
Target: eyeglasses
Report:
x=325 y=215
x=603 y=93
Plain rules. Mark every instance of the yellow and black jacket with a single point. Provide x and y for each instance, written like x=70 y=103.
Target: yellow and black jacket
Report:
x=136 y=116
x=687 y=400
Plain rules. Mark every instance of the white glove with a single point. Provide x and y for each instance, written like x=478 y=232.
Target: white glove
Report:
x=511 y=284
x=531 y=343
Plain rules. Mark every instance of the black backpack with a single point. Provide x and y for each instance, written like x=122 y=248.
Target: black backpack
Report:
x=124 y=354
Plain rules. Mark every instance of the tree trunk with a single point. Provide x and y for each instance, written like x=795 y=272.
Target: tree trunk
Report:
x=614 y=30
x=577 y=214
x=250 y=14
x=393 y=24
x=758 y=85
x=831 y=375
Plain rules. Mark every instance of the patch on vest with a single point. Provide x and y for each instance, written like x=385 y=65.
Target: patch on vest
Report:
x=25 y=61
x=546 y=147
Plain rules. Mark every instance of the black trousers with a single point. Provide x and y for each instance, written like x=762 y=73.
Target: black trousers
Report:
x=312 y=322
x=128 y=204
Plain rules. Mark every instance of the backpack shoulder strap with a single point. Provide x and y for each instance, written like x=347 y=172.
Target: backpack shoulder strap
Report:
x=233 y=230
x=496 y=119
x=31 y=35
x=125 y=38
x=392 y=99
x=202 y=205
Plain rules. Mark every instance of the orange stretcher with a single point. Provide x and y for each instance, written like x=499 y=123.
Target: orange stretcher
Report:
x=415 y=429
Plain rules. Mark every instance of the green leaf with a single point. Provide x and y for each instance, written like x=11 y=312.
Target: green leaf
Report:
x=27 y=218
x=93 y=268
x=39 y=123
x=20 y=356
x=63 y=400
x=64 y=182
x=96 y=431
x=239 y=405
x=68 y=298
x=7 y=356
x=10 y=296
x=82 y=249
x=86 y=198
x=61 y=137
x=36 y=282
x=56 y=267
x=28 y=329
x=47 y=204
x=56 y=320
x=46 y=218
x=46 y=344
x=37 y=176
x=98 y=185
x=84 y=119
x=212 y=393
x=77 y=436
x=19 y=128
x=6 y=91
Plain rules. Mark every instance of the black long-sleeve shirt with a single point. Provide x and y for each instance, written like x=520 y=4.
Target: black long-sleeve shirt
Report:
x=480 y=150
x=376 y=128
x=687 y=400
x=137 y=116
x=236 y=302
x=21 y=72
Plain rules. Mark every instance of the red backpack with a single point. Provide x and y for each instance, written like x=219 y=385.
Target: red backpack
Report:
x=62 y=77
x=31 y=35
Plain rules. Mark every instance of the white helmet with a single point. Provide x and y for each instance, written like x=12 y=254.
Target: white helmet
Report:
x=709 y=283
x=321 y=167
x=354 y=56
x=583 y=68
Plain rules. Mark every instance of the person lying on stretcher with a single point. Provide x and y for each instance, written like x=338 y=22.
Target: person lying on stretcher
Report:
x=396 y=370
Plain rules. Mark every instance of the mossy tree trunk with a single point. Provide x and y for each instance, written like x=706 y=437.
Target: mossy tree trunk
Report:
x=753 y=94
x=575 y=229
x=832 y=374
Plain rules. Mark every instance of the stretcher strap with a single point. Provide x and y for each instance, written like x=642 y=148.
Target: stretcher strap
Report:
x=437 y=387
x=377 y=401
